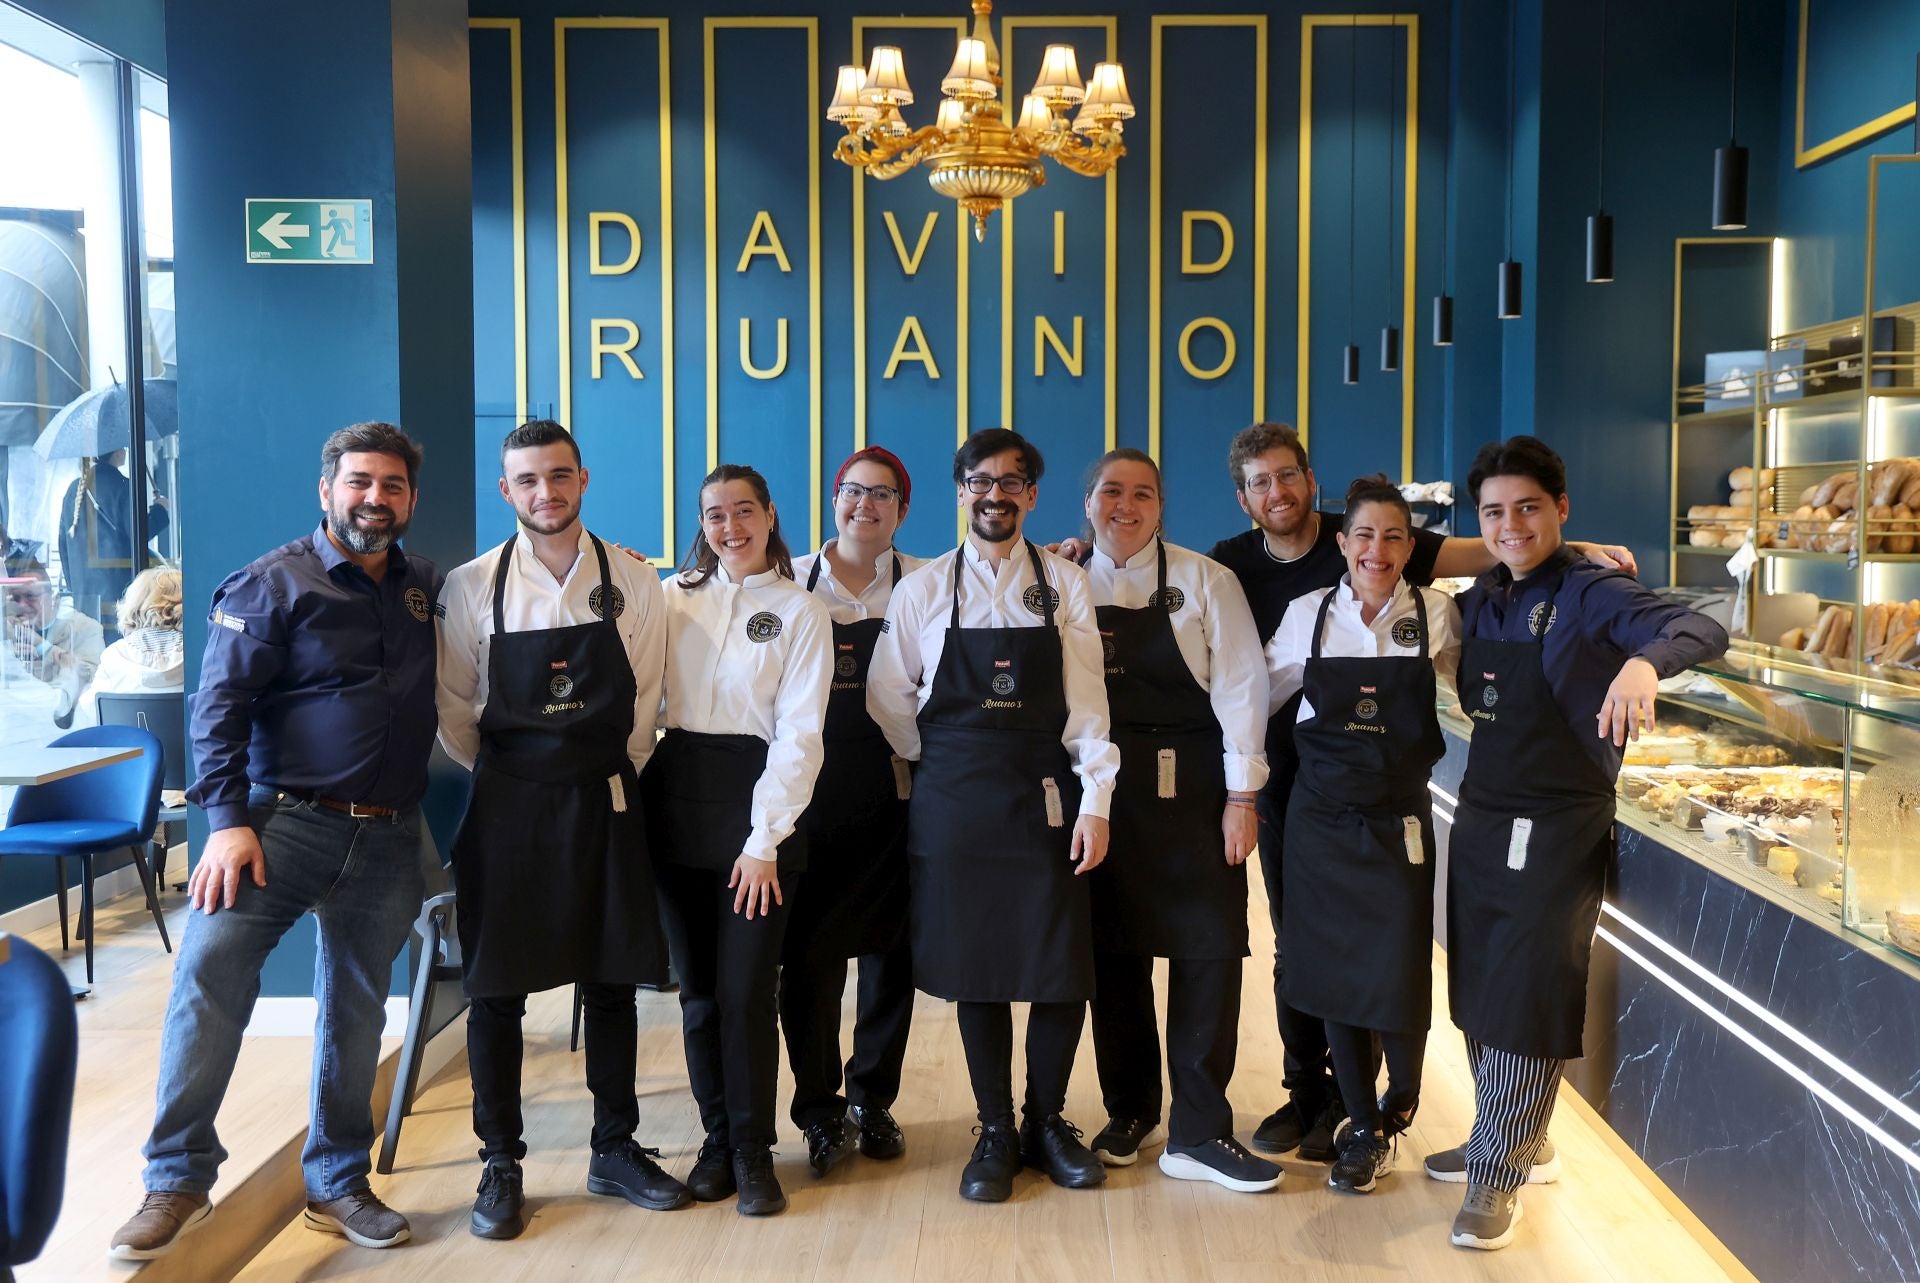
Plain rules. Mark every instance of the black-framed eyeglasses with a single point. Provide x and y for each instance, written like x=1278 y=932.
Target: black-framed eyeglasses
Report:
x=1011 y=484
x=1261 y=482
x=854 y=492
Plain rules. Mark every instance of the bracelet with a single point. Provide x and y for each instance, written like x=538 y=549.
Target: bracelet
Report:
x=1234 y=801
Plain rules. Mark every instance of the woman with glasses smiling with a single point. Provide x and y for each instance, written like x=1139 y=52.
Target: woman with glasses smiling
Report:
x=855 y=905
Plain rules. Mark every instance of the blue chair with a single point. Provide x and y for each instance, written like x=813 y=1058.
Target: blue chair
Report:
x=39 y=1050
x=87 y=814
x=164 y=714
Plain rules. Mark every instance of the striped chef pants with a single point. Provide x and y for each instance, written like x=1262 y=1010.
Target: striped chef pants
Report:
x=1513 y=1098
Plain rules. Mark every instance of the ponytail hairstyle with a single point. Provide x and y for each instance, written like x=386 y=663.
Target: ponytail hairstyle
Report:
x=701 y=560
x=1374 y=489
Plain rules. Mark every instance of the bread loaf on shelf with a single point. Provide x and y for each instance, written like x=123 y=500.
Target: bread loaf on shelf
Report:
x=1903 y=529
x=1889 y=478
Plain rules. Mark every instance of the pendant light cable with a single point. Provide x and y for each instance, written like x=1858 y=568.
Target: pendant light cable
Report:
x=1513 y=60
x=1601 y=200
x=1353 y=132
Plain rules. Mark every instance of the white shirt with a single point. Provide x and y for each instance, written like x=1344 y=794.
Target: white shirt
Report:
x=842 y=603
x=534 y=600
x=1348 y=637
x=1215 y=632
x=907 y=656
x=722 y=681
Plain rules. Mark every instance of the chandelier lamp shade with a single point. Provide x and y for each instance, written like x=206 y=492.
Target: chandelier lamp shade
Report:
x=970 y=153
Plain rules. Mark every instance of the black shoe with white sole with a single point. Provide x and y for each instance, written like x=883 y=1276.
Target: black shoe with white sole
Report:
x=1224 y=1161
x=498 y=1207
x=1365 y=1156
x=1121 y=1142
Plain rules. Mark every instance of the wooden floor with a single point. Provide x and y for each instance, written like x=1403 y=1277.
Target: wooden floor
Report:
x=904 y=1220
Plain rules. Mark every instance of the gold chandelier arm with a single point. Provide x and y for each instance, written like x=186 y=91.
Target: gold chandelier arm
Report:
x=1089 y=159
x=885 y=157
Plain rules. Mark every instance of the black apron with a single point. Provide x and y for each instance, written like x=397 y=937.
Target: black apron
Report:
x=856 y=894
x=1165 y=889
x=1527 y=860
x=997 y=914
x=550 y=864
x=699 y=793
x=1357 y=922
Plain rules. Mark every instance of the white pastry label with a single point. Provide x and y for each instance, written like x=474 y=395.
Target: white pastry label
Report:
x=1517 y=843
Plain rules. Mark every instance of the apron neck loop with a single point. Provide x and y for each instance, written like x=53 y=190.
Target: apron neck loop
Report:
x=1039 y=579
x=1420 y=613
x=1160 y=588
x=813 y=573
x=607 y=614
x=1320 y=620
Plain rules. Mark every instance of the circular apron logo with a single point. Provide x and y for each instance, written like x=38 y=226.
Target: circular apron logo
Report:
x=1489 y=696
x=416 y=601
x=1107 y=648
x=1172 y=598
x=1406 y=631
x=763 y=627
x=1003 y=683
x=1366 y=710
x=1034 y=602
x=1540 y=618
x=846 y=666
x=561 y=686
x=597 y=602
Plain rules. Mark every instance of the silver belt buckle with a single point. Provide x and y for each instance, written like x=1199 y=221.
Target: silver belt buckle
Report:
x=354 y=812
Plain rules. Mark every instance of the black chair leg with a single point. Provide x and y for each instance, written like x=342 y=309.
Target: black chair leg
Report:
x=573 y=1042
x=406 y=1078
x=60 y=895
x=153 y=900
x=86 y=909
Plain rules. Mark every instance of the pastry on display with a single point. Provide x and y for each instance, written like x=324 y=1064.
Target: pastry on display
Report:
x=1904 y=930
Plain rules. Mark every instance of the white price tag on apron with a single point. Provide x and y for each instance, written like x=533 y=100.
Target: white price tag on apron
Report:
x=1416 y=845
x=902 y=778
x=619 y=791
x=1056 y=816
x=1517 y=843
x=1166 y=772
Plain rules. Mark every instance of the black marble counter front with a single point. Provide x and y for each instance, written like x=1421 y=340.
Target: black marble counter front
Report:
x=1786 y=1117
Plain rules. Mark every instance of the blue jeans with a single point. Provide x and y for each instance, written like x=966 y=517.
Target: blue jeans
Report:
x=362 y=879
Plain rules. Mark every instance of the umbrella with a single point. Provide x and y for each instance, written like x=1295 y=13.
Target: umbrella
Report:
x=43 y=320
x=98 y=423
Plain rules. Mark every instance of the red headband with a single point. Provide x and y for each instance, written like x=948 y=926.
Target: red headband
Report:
x=881 y=455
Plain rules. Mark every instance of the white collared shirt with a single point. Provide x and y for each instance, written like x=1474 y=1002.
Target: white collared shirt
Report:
x=534 y=600
x=992 y=593
x=723 y=680
x=1214 y=630
x=1348 y=637
x=844 y=605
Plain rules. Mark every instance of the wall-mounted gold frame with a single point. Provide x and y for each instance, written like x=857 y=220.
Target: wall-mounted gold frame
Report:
x=512 y=27
x=1804 y=155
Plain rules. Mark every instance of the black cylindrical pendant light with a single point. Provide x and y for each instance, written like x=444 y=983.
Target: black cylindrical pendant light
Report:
x=1730 y=162
x=1390 y=336
x=1443 y=301
x=1600 y=223
x=1390 y=348
x=1350 y=364
x=1443 y=320
x=1599 y=248
x=1509 y=289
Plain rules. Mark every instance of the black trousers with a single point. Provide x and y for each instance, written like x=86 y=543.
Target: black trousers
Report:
x=1053 y=1035
x=1357 y=1067
x=1307 y=1067
x=493 y=1060
x=810 y=994
x=729 y=971
x=1203 y=1019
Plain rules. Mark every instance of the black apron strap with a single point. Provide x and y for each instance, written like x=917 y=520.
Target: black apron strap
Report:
x=959 y=556
x=1320 y=620
x=896 y=571
x=813 y=575
x=1160 y=588
x=608 y=593
x=1040 y=578
x=1420 y=613
x=500 y=585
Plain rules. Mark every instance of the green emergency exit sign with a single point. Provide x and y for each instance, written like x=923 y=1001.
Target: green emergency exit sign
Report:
x=309 y=231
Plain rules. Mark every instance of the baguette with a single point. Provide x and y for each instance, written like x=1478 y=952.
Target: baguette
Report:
x=1824 y=493
x=1890 y=479
x=1794 y=639
x=1842 y=640
x=1847 y=497
x=1910 y=493
x=1822 y=632
x=1879 y=615
x=1807 y=495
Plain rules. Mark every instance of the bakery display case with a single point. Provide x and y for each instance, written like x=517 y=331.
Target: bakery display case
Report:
x=1799 y=779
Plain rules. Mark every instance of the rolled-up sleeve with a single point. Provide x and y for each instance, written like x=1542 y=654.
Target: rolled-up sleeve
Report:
x=246 y=650
x=800 y=713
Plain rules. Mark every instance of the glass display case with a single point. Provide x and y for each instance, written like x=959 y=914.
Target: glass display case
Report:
x=1797 y=776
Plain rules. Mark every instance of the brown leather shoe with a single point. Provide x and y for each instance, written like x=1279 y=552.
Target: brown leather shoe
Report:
x=164 y=1216
x=359 y=1217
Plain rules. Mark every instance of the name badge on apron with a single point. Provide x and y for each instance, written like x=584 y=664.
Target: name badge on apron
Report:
x=1416 y=848
x=1517 y=843
x=902 y=778
x=1056 y=816
x=1166 y=772
x=619 y=791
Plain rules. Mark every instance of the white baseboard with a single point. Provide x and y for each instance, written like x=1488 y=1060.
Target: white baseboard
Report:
x=294 y=1017
x=46 y=913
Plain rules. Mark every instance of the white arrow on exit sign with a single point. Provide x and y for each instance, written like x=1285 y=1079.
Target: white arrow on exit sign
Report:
x=277 y=229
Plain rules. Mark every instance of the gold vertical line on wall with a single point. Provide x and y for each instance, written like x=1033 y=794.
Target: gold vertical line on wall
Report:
x=811 y=26
x=1804 y=155
x=1111 y=26
x=1410 y=210
x=664 y=62
x=1154 y=355
x=512 y=27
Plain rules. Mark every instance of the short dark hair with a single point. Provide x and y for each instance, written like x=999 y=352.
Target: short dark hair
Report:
x=372 y=437
x=988 y=442
x=1374 y=489
x=538 y=432
x=1256 y=439
x=1518 y=457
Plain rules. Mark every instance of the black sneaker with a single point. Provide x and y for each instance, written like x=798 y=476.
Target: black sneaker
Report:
x=759 y=1189
x=712 y=1176
x=1280 y=1131
x=1365 y=1156
x=880 y=1136
x=1317 y=1146
x=828 y=1143
x=497 y=1208
x=1225 y=1162
x=1121 y=1140
x=989 y=1174
x=629 y=1172
x=1053 y=1145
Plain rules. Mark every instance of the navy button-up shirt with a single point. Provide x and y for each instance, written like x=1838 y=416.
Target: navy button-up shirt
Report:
x=1589 y=620
x=316 y=680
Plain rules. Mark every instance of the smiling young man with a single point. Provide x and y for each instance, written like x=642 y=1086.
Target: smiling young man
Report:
x=1560 y=665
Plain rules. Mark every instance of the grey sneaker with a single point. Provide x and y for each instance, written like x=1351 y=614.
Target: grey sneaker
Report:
x=1488 y=1218
x=359 y=1217
x=163 y=1217
x=1450 y=1165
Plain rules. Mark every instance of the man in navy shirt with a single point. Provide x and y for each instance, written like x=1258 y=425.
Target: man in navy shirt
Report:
x=1560 y=664
x=311 y=731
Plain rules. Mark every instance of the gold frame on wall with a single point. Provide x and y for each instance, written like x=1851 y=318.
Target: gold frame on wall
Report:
x=1804 y=155
x=512 y=27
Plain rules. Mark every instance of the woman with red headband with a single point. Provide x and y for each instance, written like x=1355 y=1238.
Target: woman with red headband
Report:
x=855 y=901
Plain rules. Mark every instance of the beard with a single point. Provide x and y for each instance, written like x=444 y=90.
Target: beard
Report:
x=361 y=540
x=550 y=521
x=1285 y=524
x=976 y=520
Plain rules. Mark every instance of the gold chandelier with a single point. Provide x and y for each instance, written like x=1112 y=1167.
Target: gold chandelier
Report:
x=971 y=154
